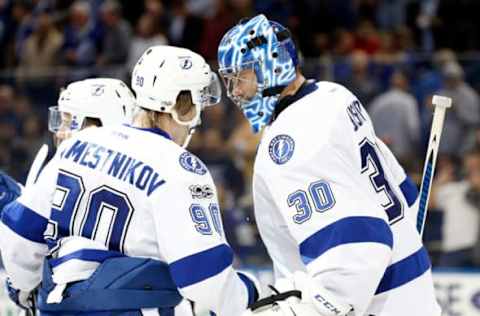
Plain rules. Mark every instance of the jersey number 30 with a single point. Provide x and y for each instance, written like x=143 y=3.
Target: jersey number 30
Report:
x=106 y=219
x=321 y=195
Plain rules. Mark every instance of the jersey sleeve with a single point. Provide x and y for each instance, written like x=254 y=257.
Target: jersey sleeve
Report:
x=22 y=227
x=191 y=237
x=344 y=252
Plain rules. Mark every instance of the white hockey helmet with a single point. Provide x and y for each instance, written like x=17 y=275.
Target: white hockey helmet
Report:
x=164 y=71
x=108 y=100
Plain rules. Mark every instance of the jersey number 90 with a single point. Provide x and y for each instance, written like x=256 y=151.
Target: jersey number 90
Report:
x=107 y=216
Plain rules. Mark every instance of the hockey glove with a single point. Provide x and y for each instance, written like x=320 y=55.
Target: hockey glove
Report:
x=299 y=297
x=10 y=190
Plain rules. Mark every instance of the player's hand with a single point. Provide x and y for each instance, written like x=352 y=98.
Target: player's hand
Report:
x=23 y=299
x=10 y=190
x=299 y=296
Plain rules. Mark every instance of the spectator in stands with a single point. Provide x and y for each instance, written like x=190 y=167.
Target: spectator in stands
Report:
x=391 y=15
x=464 y=115
x=367 y=38
x=242 y=145
x=396 y=119
x=216 y=26
x=116 y=40
x=7 y=106
x=215 y=155
x=360 y=81
x=41 y=48
x=22 y=14
x=147 y=34
x=185 y=29
x=79 y=48
x=461 y=208
x=395 y=48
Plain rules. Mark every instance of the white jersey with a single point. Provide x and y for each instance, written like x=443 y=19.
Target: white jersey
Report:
x=330 y=199
x=137 y=192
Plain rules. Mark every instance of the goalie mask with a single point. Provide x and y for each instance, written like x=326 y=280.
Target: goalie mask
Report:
x=257 y=56
x=164 y=72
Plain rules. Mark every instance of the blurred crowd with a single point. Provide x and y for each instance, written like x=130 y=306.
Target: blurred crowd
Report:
x=394 y=55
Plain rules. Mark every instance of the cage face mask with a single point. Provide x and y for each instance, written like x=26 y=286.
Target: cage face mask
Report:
x=266 y=48
x=59 y=121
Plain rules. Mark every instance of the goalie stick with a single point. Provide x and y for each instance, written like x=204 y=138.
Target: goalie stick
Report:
x=440 y=104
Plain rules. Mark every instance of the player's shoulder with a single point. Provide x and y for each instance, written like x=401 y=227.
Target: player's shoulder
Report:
x=317 y=108
x=158 y=148
x=188 y=166
x=310 y=118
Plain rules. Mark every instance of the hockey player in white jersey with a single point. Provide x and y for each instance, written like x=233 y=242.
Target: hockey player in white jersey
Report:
x=330 y=200
x=82 y=104
x=127 y=219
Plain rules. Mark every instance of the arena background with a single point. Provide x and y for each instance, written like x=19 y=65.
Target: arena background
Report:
x=394 y=55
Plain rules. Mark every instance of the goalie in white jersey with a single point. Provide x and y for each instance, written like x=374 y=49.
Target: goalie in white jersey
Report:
x=330 y=199
x=128 y=219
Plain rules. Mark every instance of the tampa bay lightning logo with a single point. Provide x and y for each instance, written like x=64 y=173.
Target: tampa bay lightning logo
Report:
x=185 y=62
x=281 y=149
x=98 y=90
x=191 y=163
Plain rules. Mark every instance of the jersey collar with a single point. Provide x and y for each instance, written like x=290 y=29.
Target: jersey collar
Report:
x=154 y=130
x=307 y=87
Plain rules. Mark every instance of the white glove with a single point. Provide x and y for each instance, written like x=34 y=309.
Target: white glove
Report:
x=299 y=296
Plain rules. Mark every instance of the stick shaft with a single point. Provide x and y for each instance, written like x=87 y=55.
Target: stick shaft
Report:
x=429 y=167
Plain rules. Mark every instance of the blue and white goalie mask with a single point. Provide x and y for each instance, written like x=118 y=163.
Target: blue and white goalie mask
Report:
x=257 y=60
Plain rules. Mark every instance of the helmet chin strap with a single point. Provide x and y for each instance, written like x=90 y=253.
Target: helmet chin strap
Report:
x=192 y=125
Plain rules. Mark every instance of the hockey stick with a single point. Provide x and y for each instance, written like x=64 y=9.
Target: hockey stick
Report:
x=440 y=104
x=37 y=165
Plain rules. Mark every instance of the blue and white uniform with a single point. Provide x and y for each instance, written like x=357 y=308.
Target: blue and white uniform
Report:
x=137 y=193
x=331 y=200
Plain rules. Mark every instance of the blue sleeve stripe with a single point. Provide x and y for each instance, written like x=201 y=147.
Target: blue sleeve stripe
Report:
x=251 y=288
x=404 y=271
x=24 y=222
x=344 y=231
x=409 y=190
x=201 y=266
x=96 y=255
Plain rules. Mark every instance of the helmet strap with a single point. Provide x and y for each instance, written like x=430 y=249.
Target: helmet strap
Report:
x=272 y=91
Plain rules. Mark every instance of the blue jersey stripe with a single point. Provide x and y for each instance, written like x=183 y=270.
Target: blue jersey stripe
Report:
x=251 y=288
x=201 y=266
x=409 y=190
x=404 y=271
x=24 y=221
x=96 y=255
x=344 y=231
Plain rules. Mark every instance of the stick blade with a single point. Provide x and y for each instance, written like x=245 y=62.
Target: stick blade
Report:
x=442 y=101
